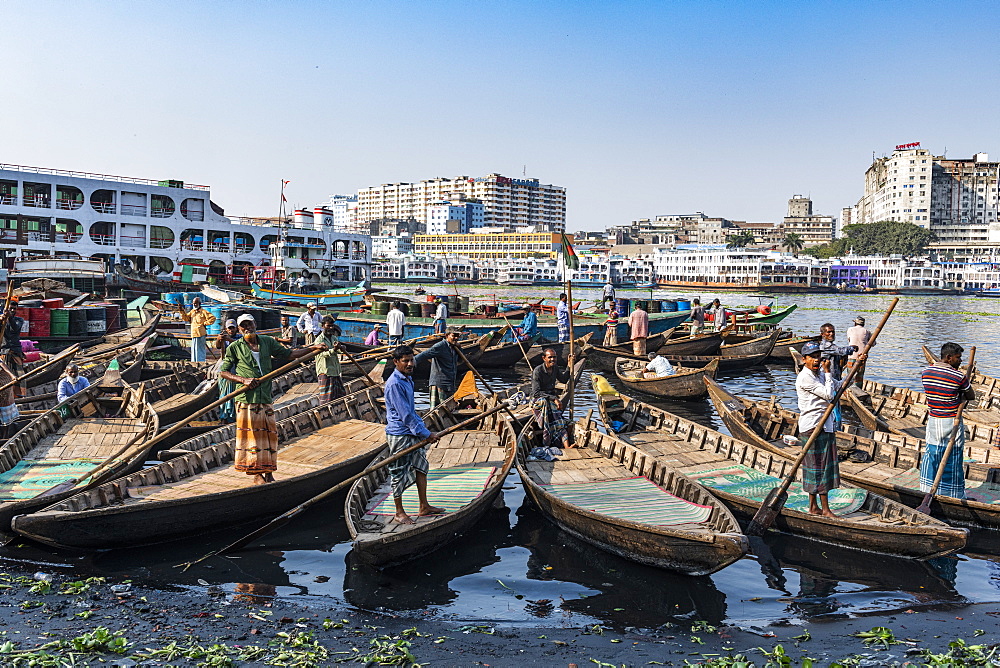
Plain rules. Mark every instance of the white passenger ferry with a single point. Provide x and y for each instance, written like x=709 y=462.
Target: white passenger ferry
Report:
x=154 y=228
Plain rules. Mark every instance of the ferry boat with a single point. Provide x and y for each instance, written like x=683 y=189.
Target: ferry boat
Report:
x=157 y=227
x=592 y=273
x=722 y=269
x=894 y=275
x=422 y=270
x=515 y=272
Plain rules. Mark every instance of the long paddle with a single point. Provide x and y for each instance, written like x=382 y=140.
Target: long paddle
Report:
x=925 y=505
x=480 y=377
x=69 y=352
x=286 y=517
x=516 y=338
x=775 y=499
x=146 y=445
x=368 y=379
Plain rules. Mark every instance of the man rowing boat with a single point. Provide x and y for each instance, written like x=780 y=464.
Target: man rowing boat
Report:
x=945 y=387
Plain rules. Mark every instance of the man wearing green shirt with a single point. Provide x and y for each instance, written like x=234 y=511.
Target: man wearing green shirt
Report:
x=247 y=360
x=331 y=385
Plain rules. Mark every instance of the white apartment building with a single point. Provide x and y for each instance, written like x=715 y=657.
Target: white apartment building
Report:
x=506 y=201
x=955 y=199
x=392 y=246
x=343 y=210
x=456 y=217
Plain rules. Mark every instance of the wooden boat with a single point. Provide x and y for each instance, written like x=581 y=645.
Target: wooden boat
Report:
x=341 y=297
x=889 y=464
x=66 y=443
x=467 y=468
x=783 y=348
x=201 y=491
x=703 y=344
x=987 y=387
x=121 y=339
x=740 y=474
x=684 y=383
x=181 y=394
x=562 y=349
x=653 y=342
x=644 y=510
x=506 y=355
x=902 y=411
x=603 y=359
x=761 y=344
x=49 y=375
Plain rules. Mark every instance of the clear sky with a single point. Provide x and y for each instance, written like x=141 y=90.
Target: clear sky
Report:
x=638 y=109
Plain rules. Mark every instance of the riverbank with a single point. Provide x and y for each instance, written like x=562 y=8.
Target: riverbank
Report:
x=121 y=623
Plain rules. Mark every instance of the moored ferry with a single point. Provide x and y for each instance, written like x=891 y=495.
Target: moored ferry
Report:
x=151 y=229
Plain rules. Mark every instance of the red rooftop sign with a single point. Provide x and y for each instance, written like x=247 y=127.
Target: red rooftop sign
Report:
x=903 y=147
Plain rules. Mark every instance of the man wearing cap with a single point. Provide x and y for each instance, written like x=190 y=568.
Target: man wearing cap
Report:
x=858 y=337
x=328 y=371
x=247 y=360
x=200 y=320
x=816 y=387
x=372 y=338
x=444 y=366
x=229 y=335
x=440 y=317
x=309 y=323
x=529 y=323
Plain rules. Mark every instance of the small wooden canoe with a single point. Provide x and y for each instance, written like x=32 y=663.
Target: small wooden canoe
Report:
x=703 y=344
x=467 y=471
x=201 y=491
x=610 y=495
x=902 y=411
x=50 y=374
x=562 y=349
x=887 y=464
x=761 y=344
x=604 y=359
x=506 y=355
x=740 y=474
x=783 y=348
x=653 y=342
x=63 y=444
x=684 y=383
x=121 y=339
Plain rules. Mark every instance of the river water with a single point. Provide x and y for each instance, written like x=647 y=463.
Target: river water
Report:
x=516 y=568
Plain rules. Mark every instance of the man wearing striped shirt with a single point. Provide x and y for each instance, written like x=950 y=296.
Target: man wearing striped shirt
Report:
x=946 y=387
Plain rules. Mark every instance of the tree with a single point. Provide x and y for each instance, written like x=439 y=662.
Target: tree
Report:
x=739 y=240
x=793 y=242
x=886 y=237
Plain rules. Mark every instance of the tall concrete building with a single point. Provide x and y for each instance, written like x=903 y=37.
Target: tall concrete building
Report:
x=955 y=199
x=507 y=202
x=814 y=229
x=457 y=216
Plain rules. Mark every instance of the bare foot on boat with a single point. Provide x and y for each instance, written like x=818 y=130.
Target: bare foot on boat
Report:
x=259 y=479
x=431 y=510
x=814 y=510
x=829 y=513
x=403 y=518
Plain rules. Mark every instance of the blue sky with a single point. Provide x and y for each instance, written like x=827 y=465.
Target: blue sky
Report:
x=638 y=109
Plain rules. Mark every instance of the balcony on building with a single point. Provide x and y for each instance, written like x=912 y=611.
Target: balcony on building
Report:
x=103 y=233
x=161 y=206
x=37 y=195
x=133 y=204
x=67 y=230
x=242 y=242
x=218 y=242
x=103 y=201
x=68 y=198
x=132 y=236
x=160 y=237
x=8 y=192
x=192 y=239
x=193 y=209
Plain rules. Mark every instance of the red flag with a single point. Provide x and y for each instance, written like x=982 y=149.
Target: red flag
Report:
x=283 y=197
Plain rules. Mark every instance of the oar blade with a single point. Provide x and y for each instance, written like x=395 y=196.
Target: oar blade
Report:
x=925 y=505
x=767 y=513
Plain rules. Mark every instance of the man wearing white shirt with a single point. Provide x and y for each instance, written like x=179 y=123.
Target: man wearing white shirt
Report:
x=660 y=366
x=816 y=388
x=395 y=322
x=309 y=323
x=441 y=317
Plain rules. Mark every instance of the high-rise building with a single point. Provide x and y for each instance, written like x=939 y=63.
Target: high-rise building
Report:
x=454 y=217
x=955 y=199
x=506 y=202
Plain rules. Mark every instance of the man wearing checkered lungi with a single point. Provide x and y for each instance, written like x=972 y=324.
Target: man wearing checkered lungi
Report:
x=816 y=387
x=404 y=428
x=562 y=318
x=946 y=387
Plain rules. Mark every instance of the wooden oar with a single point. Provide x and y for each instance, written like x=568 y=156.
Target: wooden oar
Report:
x=72 y=350
x=146 y=445
x=483 y=380
x=286 y=517
x=364 y=374
x=518 y=339
x=775 y=499
x=925 y=505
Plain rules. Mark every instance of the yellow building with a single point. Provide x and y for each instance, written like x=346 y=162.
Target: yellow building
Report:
x=491 y=245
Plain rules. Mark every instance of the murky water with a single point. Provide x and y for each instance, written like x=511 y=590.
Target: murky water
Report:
x=516 y=568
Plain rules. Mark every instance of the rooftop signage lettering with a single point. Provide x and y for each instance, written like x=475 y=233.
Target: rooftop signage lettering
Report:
x=903 y=147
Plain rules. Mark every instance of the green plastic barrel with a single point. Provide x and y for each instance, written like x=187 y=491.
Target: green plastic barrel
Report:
x=59 y=322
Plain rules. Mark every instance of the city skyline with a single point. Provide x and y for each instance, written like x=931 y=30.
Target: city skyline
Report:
x=638 y=110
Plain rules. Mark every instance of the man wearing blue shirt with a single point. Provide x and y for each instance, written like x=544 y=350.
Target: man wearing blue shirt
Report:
x=403 y=429
x=529 y=323
x=71 y=384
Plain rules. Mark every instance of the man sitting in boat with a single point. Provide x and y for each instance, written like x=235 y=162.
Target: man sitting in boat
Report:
x=372 y=338
x=547 y=405
x=71 y=384
x=658 y=367
x=404 y=428
x=529 y=323
x=8 y=405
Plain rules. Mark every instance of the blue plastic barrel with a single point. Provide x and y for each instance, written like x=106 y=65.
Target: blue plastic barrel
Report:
x=623 y=307
x=217 y=311
x=683 y=305
x=669 y=305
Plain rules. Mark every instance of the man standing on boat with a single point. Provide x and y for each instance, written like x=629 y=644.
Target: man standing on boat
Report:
x=857 y=337
x=246 y=360
x=200 y=320
x=946 y=387
x=444 y=366
x=718 y=312
x=396 y=323
x=11 y=351
x=816 y=386
x=562 y=318
x=611 y=328
x=309 y=323
x=289 y=335
x=609 y=292
x=403 y=429
x=328 y=372
x=638 y=321
x=440 y=316
x=697 y=317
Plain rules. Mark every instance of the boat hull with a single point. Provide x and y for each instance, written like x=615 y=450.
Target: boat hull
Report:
x=346 y=297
